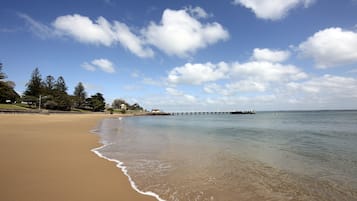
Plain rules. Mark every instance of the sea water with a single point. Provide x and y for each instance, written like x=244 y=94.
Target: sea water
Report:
x=308 y=155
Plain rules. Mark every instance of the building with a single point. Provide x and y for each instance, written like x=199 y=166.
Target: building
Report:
x=123 y=106
x=155 y=111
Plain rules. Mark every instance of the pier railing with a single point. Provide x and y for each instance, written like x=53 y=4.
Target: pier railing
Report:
x=199 y=113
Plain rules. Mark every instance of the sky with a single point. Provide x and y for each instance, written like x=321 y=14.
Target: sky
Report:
x=184 y=55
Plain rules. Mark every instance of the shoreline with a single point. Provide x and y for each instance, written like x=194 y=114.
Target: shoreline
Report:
x=49 y=157
x=119 y=164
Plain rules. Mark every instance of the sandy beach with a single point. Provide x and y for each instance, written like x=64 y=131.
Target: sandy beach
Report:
x=48 y=157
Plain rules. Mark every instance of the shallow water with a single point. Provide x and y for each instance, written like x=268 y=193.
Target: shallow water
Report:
x=266 y=156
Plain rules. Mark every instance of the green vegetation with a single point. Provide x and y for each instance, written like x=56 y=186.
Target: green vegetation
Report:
x=120 y=105
x=48 y=94
x=12 y=107
x=51 y=94
x=34 y=86
x=79 y=96
x=7 y=92
x=96 y=102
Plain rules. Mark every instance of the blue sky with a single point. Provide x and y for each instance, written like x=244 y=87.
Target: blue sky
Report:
x=189 y=55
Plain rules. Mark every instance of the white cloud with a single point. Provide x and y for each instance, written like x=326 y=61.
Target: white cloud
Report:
x=197 y=73
x=331 y=47
x=37 y=28
x=336 y=86
x=272 y=9
x=325 y=92
x=212 y=88
x=236 y=87
x=235 y=79
x=182 y=95
x=197 y=12
x=101 y=32
x=181 y=34
x=259 y=85
x=151 y=81
x=102 y=64
x=135 y=74
x=190 y=98
x=88 y=67
x=267 y=71
x=173 y=91
x=9 y=30
x=270 y=55
x=185 y=97
x=84 y=29
x=244 y=100
x=131 y=41
x=132 y=88
x=169 y=104
x=246 y=86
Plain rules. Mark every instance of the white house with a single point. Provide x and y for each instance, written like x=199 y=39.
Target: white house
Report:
x=123 y=106
x=155 y=111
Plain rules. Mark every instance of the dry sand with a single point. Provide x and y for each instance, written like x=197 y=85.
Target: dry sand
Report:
x=48 y=158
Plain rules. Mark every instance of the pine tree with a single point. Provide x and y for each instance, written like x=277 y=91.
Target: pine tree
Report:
x=34 y=86
x=2 y=74
x=80 y=95
x=60 y=85
x=49 y=84
x=60 y=95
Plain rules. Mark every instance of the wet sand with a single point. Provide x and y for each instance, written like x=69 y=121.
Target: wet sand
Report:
x=48 y=157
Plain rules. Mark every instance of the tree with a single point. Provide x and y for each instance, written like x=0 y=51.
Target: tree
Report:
x=61 y=100
x=60 y=85
x=49 y=85
x=79 y=95
x=30 y=100
x=2 y=74
x=7 y=91
x=135 y=106
x=96 y=102
x=118 y=102
x=34 y=86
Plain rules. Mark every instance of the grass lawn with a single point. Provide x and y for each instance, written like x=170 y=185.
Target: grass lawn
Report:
x=12 y=107
x=80 y=110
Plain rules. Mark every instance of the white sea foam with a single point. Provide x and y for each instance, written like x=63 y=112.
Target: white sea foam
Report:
x=124 y=169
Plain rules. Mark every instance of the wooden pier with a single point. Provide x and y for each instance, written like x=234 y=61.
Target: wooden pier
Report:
x=211 y=113
x=199 y=113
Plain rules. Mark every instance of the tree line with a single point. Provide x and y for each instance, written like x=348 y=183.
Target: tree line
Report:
x=51 y=93
x=122 y=105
